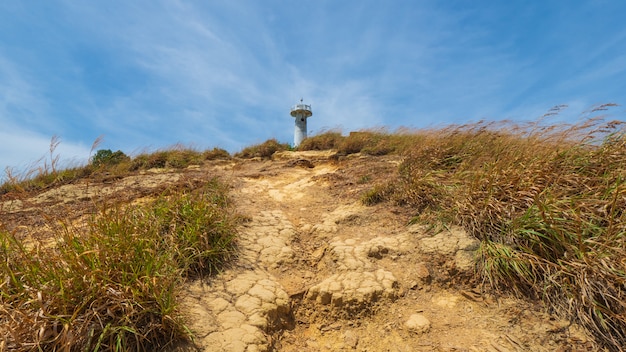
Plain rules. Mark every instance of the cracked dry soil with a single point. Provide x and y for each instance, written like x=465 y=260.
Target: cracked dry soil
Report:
x=318 y=271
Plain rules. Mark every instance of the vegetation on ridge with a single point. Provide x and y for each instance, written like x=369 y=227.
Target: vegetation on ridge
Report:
x=47 y=173
x=374 y=142
x=263 y=150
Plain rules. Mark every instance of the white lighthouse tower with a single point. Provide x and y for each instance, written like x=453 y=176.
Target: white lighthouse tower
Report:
x=301 y=112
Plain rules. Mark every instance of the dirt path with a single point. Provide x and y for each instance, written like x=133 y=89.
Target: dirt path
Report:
x=320 y=272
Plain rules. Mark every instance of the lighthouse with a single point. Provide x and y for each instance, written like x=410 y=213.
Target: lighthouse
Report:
x=301 y=112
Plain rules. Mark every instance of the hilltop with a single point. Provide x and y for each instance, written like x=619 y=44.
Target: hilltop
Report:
x=464 y=239
x=319 y=271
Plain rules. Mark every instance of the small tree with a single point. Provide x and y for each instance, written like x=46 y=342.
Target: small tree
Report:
x=105 y=157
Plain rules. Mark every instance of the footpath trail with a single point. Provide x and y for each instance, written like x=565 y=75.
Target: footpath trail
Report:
x=318 y=271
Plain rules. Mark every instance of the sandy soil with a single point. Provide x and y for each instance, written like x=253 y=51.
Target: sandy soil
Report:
x=318 y=271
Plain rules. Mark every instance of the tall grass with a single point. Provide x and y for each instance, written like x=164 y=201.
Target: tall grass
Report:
x=113 y=284
x=370 y=142
x=323 y=141
x=547 y=202
x=175 y=157
x=263 y=150
x=44 y=173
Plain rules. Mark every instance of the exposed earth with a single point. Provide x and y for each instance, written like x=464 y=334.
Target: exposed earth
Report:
x=319 y=271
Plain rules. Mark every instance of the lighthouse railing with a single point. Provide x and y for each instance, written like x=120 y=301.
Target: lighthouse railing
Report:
x=301 y=107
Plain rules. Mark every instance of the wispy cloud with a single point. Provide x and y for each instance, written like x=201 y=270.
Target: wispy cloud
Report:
x=25 y=133
x=148 y=74
x=20 y=101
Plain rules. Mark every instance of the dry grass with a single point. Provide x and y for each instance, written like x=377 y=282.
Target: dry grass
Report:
x=175 y=157
x=547 y=202
x=42 y=174
x=323 y=141
x=370 y=142
x=113 y=284
x=264 y=150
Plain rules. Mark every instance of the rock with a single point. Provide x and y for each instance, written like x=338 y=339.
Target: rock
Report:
x=454 y=243
x=354 y=290
x=421 y=272
x=306 y=228
x=377 y=251
x=448 y=242
x=333 y=326
x=417 y=323
x=318 y=254
x=350 y=339
x=341 y=214
x=445 y=300
x=351 y=255
x=312 y=343
x=464 y=260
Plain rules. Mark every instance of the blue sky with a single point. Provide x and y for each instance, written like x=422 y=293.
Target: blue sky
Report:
x=149 y=74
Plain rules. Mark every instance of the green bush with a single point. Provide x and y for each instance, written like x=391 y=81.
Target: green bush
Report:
x=105 y=157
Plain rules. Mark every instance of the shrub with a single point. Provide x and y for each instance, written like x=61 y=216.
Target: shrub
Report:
x=105 y=157
x=216 y=153
x=264 y=150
